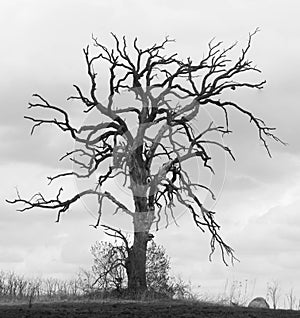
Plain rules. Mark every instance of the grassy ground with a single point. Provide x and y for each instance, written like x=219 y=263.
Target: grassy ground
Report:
x=138 y=309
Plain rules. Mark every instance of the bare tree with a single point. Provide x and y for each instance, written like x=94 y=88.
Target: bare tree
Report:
x=169 y=94
x=236 y=293
x=273 y=293
x=291 y=299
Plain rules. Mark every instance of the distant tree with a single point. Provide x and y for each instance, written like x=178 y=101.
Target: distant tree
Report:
x=109 y=264
x=291 y=299
x=169 y=93
x=273 y=293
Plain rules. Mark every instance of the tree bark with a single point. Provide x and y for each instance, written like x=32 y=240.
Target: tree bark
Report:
x=142 y=221
x=136 y=264
x=136 y=260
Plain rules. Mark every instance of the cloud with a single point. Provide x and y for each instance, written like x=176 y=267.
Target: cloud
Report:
x=270 y=241
x=242 y=183
x=10 y=256
x=33 y=244
x=45 y=149
x=80 y=255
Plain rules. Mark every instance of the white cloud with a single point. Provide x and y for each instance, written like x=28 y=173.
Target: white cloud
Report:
x=10 y=256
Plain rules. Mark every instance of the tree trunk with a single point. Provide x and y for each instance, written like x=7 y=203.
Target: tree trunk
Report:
x=136 y=261
x=143 y=219
x=136 y=264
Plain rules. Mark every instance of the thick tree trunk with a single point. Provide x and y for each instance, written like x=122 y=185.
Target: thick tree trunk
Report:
x=136 y=261
x=136 y=264
x=143 y=219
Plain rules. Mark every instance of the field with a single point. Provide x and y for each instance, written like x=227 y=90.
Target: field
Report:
x=136 y=309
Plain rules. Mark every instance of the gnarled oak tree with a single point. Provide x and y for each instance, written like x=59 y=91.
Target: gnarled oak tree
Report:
x=170 y=93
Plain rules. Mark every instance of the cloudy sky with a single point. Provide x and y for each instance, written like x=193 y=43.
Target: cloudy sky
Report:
x=258 y=197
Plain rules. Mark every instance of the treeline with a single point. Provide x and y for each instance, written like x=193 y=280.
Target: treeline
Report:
x=105 y=279
x=16 y=287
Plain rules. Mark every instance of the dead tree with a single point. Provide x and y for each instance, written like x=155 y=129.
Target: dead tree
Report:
x=170 y=93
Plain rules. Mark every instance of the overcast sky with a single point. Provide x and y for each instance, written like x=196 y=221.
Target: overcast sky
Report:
x=258 y=197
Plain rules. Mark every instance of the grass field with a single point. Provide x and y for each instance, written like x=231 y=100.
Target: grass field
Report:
x=138 y=309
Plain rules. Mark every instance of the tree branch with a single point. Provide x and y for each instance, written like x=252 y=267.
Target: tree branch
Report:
x=169 y=94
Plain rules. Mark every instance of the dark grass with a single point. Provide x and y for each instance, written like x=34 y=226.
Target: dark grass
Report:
x=137 y=309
